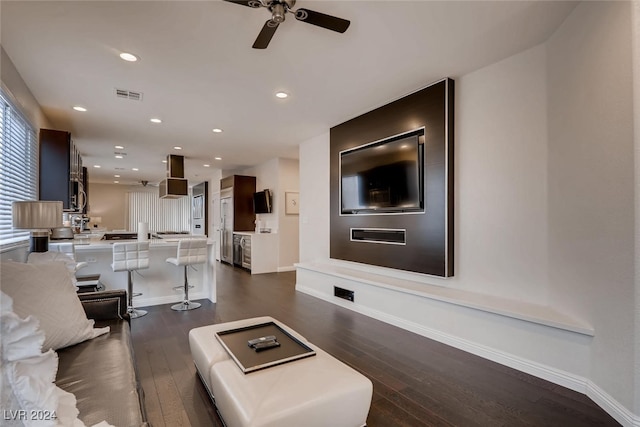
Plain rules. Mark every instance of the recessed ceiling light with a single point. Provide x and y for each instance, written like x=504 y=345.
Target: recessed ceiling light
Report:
x=79 y=108
x=129 y=57
x=218 y=158
x=207 y=166
x=217 y=130
x=177 y=148
x=116 y=176
x=96 y=166
x=281 y=95
x=134 y=169
x=118 y=147
x=164 y=161
x=118 y=156
x=154 y=120
x=116 y=182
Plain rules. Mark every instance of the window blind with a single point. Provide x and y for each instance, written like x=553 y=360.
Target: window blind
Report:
x=160 y=214
x=18 y=166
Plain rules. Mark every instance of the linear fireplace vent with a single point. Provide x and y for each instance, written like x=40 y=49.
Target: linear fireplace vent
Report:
x=389 y=236
x=343 y=293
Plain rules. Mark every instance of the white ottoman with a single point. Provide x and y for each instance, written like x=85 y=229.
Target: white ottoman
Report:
x=316 y=391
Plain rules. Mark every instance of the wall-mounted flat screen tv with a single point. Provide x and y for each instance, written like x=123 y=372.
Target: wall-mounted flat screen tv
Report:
x=262 y=202
x=384 y=176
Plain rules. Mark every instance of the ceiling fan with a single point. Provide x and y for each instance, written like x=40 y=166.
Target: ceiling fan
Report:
x=279 y=8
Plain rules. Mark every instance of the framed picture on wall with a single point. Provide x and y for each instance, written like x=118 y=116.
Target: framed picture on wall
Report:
x=291 y=203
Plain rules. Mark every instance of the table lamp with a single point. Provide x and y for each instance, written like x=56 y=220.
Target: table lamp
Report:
x=39 y=217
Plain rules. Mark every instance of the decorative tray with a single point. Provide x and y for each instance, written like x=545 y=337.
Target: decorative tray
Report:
x=235 y=342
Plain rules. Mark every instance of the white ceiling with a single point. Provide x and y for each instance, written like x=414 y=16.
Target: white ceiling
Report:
x=197 y=70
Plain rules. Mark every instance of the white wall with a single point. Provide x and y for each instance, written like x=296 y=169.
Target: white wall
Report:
x=501 y=179
x=279 y=175
x=544 y=198
x=289 y=181
x=19 y=91
x=591 y=184
x=267 y=177
x=635 y=25
x=314 y=199
x=214 y=210
x=109 y=202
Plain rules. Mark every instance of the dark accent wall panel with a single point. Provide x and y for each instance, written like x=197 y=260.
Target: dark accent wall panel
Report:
x=429 y=235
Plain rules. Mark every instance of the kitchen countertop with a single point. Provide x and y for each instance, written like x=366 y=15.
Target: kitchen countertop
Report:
x=153 y=243
x=253 y=233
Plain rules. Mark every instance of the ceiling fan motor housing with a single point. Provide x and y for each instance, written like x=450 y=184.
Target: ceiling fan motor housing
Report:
x=277 y=13
x=278 y=9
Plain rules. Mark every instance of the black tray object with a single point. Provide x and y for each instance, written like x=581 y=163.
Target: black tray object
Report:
x=248 y=360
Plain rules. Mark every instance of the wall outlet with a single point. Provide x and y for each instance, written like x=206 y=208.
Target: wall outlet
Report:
x=91 y=259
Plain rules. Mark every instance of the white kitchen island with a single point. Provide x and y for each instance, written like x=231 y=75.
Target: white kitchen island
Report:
x=157 y=282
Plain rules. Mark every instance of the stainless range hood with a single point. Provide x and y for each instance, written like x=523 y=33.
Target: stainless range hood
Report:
x=175 y=185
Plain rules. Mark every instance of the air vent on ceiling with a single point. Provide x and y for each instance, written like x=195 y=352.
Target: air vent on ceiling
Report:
x=129 y=94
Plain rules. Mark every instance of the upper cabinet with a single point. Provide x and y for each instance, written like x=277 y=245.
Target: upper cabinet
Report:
x=62 y=176
x=239 y=190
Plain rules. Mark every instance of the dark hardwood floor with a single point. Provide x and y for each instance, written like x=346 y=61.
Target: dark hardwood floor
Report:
x=416 y=381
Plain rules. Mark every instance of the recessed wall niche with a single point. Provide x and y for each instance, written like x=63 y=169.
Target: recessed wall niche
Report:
x=389 y=226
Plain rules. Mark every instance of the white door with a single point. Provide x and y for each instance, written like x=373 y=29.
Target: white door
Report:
x=226 y=229
x=214 y=223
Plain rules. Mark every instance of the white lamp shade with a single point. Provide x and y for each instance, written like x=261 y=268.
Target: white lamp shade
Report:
x=36 y=214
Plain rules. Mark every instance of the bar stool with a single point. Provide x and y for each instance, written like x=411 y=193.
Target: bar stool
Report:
x=190 y=251
x=131 y=256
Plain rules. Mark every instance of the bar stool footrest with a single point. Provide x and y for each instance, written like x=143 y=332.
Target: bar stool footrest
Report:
x=134 y=313
x=185 y=306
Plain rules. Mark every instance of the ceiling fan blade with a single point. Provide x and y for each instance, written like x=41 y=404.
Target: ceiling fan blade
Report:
x=267 y=32
x=322 y=20
x=249 y=3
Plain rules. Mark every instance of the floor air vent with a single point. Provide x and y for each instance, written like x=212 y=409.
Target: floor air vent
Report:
x=343 y=293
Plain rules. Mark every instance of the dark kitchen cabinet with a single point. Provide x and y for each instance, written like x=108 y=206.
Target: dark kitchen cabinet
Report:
x=240 y=188
x=61 y=172
x=236 y=211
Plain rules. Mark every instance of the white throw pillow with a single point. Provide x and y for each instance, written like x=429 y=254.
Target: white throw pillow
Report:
x=46 y=292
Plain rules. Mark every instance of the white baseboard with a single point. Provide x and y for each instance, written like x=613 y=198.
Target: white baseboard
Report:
x=287 y=268
x=563 y=378
x=167 y=299
x=612 y=406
